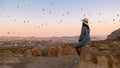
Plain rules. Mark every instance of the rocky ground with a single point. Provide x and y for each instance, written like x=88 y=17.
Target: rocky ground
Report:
x=97 y=54
x=40 y=62
x=103 y=54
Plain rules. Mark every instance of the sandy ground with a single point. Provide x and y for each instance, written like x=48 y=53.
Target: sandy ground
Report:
x=70 y=61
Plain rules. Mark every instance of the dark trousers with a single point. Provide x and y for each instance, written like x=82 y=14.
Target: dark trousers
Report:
x=78 y=50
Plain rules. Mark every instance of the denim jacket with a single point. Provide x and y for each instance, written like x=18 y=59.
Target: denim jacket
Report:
x=84 y=38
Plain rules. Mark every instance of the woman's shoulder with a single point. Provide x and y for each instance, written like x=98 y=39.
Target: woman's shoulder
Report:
x=85 y=27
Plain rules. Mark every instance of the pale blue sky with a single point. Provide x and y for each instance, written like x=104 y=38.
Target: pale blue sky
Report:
x=13 y=13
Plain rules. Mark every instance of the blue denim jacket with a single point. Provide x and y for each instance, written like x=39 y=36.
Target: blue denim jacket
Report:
x=84 y=37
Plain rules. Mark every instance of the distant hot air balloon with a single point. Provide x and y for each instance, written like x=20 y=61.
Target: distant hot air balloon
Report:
x=43 y=9
x=8 y=16
x=29 y=5
x=84 y=15
x=14 y=19
x=17 y=6
x=50 y=12
x=3 y=10
x=51 y=4
x=46 y=24
x=81 y=8
x=8 y=32
x=60 y=20
x=41 y=24
x=39 y=27
x=99 y=13
x=24 y=21
x=99 y=21
x=67 y=13
x=118 y=15
x=63 y=15
x=13 y=32
x=113 y=19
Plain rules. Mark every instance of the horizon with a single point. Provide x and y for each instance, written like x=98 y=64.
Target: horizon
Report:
x=57 y=18
x=97 y=36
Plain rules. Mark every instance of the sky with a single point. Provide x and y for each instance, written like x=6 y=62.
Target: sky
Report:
x=46 y=18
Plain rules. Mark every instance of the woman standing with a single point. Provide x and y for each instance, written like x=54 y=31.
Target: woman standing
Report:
x=84 y=38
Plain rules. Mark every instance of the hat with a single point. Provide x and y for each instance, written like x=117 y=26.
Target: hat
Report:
x=85 y=20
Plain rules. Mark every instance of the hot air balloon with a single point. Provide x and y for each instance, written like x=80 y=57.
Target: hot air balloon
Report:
x=67 y=13
x=41 y=24
x=99 y=21
x=43 y=9
x=8 y=32
x=51 y=4
x=118 y=15
x=39 y=27
x=24 y=21
x=113 y=19
x=3 y=10
x=8 y=16
x=63 y=15
x=14 y=19
x=99 y=13
x=29 y=5
x=81 y=8
x=84 y=15
x=60 y=20
x=17 y=6
x=50 y=12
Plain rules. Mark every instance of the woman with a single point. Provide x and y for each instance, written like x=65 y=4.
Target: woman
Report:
x=84 y=38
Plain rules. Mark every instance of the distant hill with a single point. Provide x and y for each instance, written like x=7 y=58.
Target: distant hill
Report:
x=52 y=39
x=115 y=34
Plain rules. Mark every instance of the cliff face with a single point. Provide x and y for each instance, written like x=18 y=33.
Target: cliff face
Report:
x=101 y=54
x=115 y=34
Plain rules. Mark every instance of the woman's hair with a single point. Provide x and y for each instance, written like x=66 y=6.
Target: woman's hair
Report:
x=85 y=25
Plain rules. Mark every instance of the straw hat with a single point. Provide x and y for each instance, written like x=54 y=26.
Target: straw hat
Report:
x=85 y=20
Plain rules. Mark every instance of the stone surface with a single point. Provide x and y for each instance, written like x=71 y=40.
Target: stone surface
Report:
x=97 y=54
x=114 y=35
x=44 y=62
x=104 y=54
x=52 y=51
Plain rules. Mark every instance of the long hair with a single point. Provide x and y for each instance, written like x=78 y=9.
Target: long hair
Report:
x=85 y=25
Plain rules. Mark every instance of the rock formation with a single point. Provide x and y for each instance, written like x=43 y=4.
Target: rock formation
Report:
x=115 y=34
x=102 y=54
x=97 y=54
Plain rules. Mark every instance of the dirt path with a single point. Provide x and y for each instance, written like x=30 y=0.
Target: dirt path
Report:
x=41 y=62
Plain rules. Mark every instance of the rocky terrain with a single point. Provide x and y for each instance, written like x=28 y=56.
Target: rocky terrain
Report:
x=115 y=34
x=97 y=54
